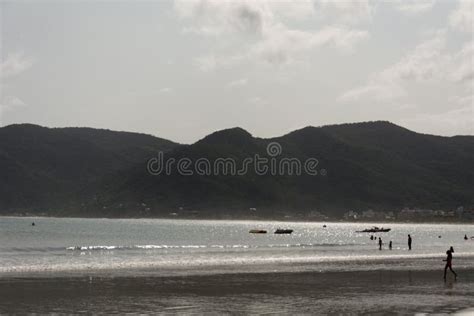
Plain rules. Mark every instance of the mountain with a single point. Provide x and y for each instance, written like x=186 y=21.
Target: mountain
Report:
x=88 y=172
x=369 y=165
x=59 y=169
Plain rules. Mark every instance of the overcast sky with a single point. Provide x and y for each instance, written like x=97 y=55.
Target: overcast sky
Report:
x=182 y=69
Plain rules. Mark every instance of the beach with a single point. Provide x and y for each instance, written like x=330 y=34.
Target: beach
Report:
x=150 y=266
x=237 y=157
x=364 y=292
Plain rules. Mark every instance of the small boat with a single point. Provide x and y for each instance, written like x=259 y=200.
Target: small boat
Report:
x=374 y=229
x=283 y=231
x=257 y=231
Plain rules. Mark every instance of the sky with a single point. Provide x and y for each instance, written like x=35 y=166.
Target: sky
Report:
x=183 y=69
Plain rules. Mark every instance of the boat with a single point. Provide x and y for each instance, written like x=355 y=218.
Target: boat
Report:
x=374 y=229
x=257 y=231
x=283 y=231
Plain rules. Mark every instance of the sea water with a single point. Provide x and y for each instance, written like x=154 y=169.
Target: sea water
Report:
x=163 y=247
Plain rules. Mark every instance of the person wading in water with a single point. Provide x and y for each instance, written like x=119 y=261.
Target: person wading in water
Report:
x=409 y=242
x=449 y=260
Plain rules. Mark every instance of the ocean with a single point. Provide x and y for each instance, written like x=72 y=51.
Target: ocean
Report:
x=162 y=247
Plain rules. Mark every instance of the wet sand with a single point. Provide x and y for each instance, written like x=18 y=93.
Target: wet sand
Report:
x=366 y=292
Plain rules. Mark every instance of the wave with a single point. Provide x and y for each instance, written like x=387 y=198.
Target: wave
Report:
x=13 y=250
x=83 y=248
x=146 y=247
x=151 y=247
x=213 y=264
x=29 y=249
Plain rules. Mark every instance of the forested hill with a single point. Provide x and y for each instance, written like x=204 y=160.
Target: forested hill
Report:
x=56 y=170
x=90 y=172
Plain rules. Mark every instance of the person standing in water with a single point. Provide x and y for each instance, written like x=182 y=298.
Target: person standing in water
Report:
x=449 y=260
x=390 y=245
x=409 y=242
x=380 y=243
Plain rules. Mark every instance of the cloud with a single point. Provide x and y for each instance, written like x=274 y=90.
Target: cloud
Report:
x=345 y=12
x=290 y=9
x=454 y=122
x=281 y=45
x=238 y=83
x=429 y=61
x=413 y=7
x=463 y=65
x=258 y=102
x=271 y=37
x=426 y=62
x=206 y=63
x=463 y=101
x=462 y=17
x=165 y=90
x=8 y=102
x=384 y=91
x=213 y=62
x=14 y=64
x=214 y=17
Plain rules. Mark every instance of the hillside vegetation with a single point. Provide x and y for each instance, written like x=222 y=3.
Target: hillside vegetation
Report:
x=90 y=172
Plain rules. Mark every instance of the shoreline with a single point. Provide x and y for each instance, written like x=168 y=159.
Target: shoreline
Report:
x=280 y=220
x=400 y=263
x=367 y=292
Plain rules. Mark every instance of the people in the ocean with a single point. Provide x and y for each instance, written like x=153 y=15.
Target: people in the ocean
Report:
x=390 y=245
x=449 y=260
x=33 y=224
x=380 y=243
x=409 y=242
x=371 y=237
x=465 y=237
